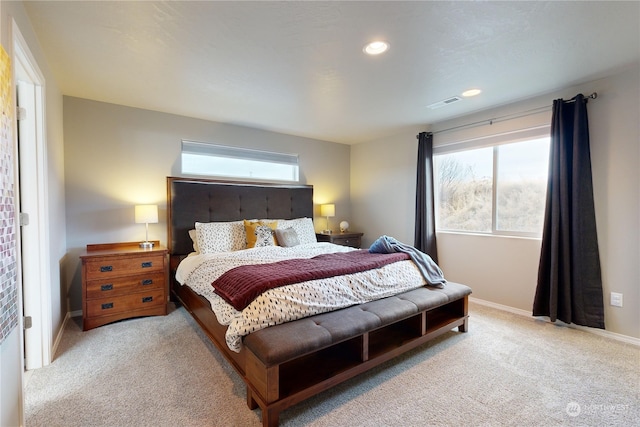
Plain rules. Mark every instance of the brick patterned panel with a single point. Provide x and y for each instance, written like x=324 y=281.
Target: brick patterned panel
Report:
x=8 y=267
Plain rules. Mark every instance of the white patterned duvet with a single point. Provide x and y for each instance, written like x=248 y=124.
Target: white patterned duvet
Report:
x=295 y=301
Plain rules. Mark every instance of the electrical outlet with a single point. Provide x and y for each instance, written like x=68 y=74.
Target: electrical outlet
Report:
x=616 y=299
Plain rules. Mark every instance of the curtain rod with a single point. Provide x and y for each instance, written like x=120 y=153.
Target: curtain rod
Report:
x=525 y=113
x=594 y=95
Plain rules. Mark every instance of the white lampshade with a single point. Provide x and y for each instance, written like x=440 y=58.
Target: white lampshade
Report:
x=146 y=214
x=328 y=210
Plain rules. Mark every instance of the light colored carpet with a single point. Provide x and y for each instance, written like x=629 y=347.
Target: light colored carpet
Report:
x=508 y=370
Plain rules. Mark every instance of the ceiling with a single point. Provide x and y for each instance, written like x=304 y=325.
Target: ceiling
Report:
x=298 y=67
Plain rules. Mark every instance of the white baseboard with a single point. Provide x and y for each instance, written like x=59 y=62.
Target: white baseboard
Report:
x=56 y=342
x=501 y=307
x=604 y=333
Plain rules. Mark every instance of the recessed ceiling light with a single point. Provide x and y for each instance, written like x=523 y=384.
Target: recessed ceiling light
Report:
x=376 y=48
x=471 y=92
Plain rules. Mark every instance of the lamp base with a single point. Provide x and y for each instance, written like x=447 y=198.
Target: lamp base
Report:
x=327 y=232
x=146 y=245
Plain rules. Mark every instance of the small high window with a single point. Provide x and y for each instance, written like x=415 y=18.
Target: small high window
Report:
x=200 y=158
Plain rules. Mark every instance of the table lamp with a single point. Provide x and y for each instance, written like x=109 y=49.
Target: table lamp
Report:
x=146 y=214
x=328 y=210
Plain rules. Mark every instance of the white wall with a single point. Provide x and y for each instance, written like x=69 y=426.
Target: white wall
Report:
x=116 y=157
x=504 y=270
x=11 y=361
x=11 y=368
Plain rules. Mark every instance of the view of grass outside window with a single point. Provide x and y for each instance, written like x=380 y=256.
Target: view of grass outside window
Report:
x=199 y=158
x=497 y=189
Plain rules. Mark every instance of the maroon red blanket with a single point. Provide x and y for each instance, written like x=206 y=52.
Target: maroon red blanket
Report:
x=241 y=285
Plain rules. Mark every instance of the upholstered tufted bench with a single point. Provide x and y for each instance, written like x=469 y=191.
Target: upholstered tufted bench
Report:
x=281 y=343
x=283 y=361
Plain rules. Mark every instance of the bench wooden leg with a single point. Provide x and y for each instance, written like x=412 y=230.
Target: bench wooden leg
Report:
x=270 y=417
x=251 y=402
x=465 y=326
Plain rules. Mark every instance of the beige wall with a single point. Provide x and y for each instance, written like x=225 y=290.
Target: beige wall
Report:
x=615 y=155
x=503 y=270
x=383 y=182
x=116 y=157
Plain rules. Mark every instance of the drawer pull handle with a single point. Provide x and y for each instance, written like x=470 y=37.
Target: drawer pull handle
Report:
x=106 y=268
x=147 y=264
x=147 y=299
x=147 y=281
x=108 y=287
x=107 y=305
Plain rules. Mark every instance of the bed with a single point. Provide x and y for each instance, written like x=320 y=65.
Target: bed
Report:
x=286 y=361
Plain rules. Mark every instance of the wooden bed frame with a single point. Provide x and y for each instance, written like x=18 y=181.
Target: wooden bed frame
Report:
x=275 y=388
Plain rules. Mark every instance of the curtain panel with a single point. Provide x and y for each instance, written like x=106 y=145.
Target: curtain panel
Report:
x=425 y=228
x=569 y=284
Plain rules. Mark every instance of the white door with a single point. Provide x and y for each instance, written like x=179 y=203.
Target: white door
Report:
x=36 y=292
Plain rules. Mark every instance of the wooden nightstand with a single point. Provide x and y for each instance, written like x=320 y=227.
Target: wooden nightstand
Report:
x=121 y=280
x=344 y=239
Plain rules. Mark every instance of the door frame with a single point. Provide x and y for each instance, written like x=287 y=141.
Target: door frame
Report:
x=33 y=258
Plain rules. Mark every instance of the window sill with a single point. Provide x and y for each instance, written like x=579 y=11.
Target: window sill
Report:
x=492 y=235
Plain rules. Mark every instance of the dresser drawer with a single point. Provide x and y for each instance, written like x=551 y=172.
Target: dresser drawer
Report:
x=107 y=267
x=344 y=239
x=124 y=303
x=347 y=241
x=104 y=288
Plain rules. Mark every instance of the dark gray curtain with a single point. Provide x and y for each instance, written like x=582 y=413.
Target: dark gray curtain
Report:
x=569 y=277
x=425 y=231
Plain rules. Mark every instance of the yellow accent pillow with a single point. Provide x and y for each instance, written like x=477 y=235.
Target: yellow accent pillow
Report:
x=260 y=233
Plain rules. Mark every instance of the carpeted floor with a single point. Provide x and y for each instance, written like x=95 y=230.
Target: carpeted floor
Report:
x=508 y=370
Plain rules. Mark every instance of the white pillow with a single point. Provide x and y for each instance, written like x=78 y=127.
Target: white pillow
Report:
x=194 y=239
x=213 y=237
x=303 y=227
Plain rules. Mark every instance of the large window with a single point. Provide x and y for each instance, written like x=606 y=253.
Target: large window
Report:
x=498 y=189
x=199 y=158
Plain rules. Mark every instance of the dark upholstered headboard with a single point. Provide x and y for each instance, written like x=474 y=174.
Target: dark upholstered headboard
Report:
x=190 y=200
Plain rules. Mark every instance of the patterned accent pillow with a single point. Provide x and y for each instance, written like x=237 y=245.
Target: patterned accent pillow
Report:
x=304 y=229
x=259 y=233
x=287 y=237
x=264 y=236
x=214 y=237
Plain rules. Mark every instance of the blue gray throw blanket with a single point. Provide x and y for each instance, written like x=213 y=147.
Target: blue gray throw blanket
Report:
x=428 y=268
